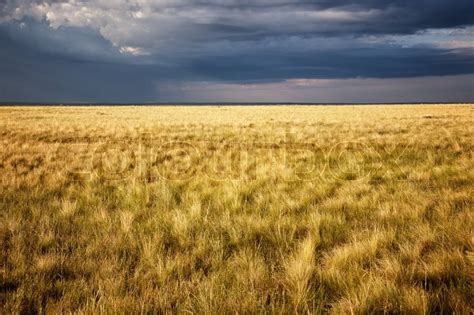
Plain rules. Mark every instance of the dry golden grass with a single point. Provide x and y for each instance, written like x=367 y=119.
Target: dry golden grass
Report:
x=262 y=209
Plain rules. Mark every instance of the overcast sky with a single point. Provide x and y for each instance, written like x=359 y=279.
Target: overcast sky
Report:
x=236 y=50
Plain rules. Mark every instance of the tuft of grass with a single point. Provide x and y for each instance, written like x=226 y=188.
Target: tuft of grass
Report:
x=299 y=269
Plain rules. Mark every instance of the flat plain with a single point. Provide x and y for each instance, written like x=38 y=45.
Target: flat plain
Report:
x=237 y=209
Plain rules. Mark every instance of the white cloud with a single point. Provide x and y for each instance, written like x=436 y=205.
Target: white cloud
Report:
x=453 y=38
x=136 y=51
x=455 y=44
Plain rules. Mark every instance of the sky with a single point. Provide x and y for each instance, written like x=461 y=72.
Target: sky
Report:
x=144 y=51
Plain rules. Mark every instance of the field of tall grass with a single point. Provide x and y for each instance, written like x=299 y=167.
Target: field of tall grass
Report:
x=235 y=209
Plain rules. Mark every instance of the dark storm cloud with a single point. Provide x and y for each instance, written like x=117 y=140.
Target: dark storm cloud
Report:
x=395 y=62
x=389 y=17
x=28 y=75
x=408 y=15
x=100 y=50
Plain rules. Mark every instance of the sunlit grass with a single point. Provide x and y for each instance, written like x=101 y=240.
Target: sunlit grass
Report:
x=343 y=209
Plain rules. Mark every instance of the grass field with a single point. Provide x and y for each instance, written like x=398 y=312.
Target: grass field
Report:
x=267 y=209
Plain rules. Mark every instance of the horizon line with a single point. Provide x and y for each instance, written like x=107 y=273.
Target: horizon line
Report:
x=92 y=104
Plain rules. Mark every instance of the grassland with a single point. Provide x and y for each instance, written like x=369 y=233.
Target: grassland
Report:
x=339 y=209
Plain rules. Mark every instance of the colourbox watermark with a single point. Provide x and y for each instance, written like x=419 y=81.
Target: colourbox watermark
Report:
x=151 y=159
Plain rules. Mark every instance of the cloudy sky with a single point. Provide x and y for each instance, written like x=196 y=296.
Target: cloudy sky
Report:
x=236 y=50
